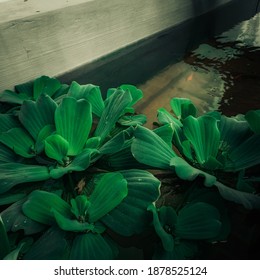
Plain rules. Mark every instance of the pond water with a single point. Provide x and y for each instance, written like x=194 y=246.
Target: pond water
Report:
x=222 y=74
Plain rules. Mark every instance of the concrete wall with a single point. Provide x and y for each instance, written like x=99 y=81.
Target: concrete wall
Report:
x=53 y=37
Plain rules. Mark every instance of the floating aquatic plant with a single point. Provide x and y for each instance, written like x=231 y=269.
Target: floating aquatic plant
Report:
x=48 y=142
x=74 y=172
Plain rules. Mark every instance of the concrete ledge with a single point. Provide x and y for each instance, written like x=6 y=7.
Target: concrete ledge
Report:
x=138 y=62
x=55 y=37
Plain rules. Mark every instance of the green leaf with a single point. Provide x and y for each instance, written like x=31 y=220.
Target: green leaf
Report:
x=118 y=142
x=248 y=200
x=4 y=244
x=80 y=206
x=35 y=115
x=150 y=149
x=73 y=225
x=211 y=196
x=164 y=117
x=136 y=95
x=11 y=198
x=7 y=155
x=238 y=144
x=166 y=133
x=233 y=131
x=114 y=108
x=245 y=184
x=131 y=216
x=93 y=143
x=253 y=119
x=80 y=163
x=183 y=107
x=25 y=88
x=45 y=85
x=187 y=172
x=245 y=155
x=55 y=240
x=15 y=220
x=89 y=92
x=123 y=159
x=46 y=131
x=18 y=140
x=204 y=136
x=73 y=121
x=56 y=147
x=182 y=250
x=168 y=217
x=9 y=96
x=22 y=246
x=60 y=93
x=8 y=121
x=132 y=120
x=39 y=205
x=198 y=221
x=90 y=246
x=17 y=173
x=181 y=143
x=166 y=238
x=108 y=193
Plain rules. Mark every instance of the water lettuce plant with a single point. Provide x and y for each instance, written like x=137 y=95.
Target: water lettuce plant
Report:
x=207 y=146
x=78 y=173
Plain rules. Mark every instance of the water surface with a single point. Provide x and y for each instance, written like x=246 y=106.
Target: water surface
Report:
x=222 y=74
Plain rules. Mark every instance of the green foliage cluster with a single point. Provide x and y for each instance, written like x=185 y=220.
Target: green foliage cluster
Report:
x=76 y=172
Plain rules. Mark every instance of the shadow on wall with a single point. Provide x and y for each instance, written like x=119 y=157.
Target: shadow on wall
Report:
x=210 y=26
x=139 y=62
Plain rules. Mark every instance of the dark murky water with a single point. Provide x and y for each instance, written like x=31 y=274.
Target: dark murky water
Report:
x=221 y=74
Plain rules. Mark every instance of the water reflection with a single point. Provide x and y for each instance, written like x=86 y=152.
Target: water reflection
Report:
x=222 y=74
x=246 y=33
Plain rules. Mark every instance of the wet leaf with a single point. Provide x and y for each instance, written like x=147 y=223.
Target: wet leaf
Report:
x=17 y=173
x=15 y=220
